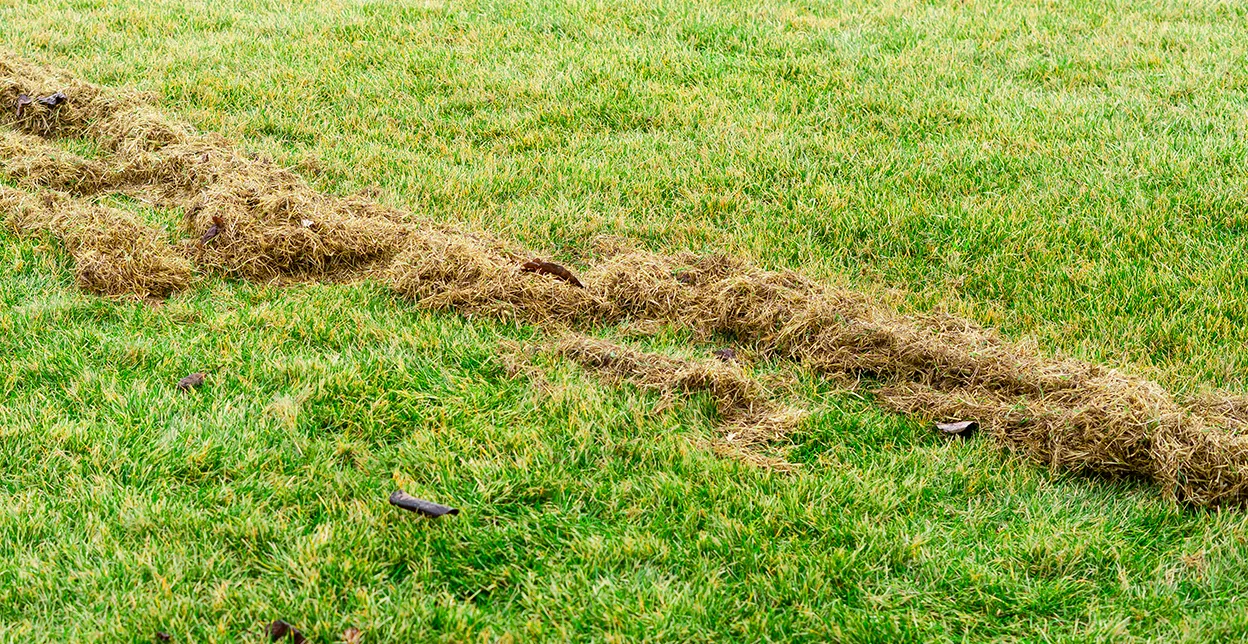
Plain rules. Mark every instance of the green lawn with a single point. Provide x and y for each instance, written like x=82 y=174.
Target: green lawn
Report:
x=1074 y=173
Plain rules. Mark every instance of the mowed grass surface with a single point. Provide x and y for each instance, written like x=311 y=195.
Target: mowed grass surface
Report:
x=1069 y=172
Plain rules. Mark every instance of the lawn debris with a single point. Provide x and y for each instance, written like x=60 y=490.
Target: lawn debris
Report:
x=725 y=355
x=1063 y=413
x=352 y=636
x=36 y=163
x=190 y=382
x=162 y=636
x=213 y=231
x=22 y=101
x=959 y=429
x=403 y=500
x=550 y=268
x=115 y=253
x=52 y=100
x=750 y=417
x=280 y=629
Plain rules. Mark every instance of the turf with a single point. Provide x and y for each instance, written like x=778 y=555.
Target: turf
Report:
x=1072 y=173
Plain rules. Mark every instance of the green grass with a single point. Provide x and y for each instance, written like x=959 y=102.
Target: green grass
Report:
x=1074 y=173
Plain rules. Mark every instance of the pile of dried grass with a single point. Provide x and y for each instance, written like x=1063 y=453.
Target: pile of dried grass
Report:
x=751 y=418
x=33 y=161
x=122 y=121
x=274 y=224
x=1065 y=413
x=115 y=254
x=448 y=270
x=277 y=226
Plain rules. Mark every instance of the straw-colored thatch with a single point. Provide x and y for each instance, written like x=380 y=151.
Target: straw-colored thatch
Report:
x=115 y=253
x=270 y=223
x=751 y=419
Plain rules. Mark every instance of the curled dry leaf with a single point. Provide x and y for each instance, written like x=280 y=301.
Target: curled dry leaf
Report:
x=194 y=380
x=213 y=231
x=410 y=503
x=550 y=268
x=280 y=629
x=162 y=636
x=52 y=100
x=351 y=636
x=22 y=101
x=726 y=354
x=960 y=429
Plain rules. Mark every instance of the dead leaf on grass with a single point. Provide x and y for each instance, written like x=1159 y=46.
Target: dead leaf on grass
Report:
x=550 y=268
x=280 y=629
x=410 y=503
x=190 y=382
x=960 y=429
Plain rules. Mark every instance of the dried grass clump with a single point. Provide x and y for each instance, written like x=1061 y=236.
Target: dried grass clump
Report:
x=1220 y=409
x=277 y=226
x=1203 y=466
x=1065 y=413
x=121 y=121
x=447 y=270
x=751 y=419
x=33 y=161
x=114 y=253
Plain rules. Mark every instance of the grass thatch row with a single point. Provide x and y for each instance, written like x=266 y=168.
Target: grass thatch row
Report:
x=1068 y=414
x=114 y=252
x=751 y=418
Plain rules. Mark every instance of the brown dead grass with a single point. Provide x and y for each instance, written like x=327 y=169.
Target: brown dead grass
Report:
x=33 y=161
x=751 y=419
x=115 y=254
x=275 y=225
x=122 y=121
x=1065 y=413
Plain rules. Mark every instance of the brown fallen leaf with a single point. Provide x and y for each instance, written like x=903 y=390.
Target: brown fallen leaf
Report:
x=550 y=268
x=281 y=628
x=212 y=231
x=726 y=354
x=351 y=636
x=960 y=429
x=410 y=503
x=163 y=636
x=22 y=101
x=194 y=380
x=52 y=100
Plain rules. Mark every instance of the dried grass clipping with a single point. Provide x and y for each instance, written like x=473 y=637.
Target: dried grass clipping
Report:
x=751 y=419
x=115 y=254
